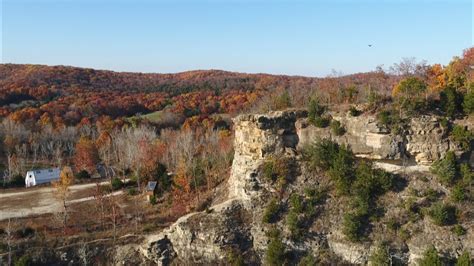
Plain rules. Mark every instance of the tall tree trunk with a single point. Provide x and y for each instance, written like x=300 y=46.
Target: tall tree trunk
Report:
x=64 y=216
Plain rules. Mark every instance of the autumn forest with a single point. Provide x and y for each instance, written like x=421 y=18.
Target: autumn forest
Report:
x=176 y=129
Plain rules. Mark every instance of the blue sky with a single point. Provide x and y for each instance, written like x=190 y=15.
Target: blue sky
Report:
x=283 y=37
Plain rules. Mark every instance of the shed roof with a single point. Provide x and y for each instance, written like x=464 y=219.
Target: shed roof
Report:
x=45 y=174
x=151 y=186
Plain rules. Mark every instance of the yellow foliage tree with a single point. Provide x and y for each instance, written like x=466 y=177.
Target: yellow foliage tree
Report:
x=436 y=78
x=66 y=179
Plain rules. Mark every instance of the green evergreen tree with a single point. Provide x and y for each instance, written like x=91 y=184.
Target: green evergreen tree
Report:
x=468 y=103
x=451 y=101
x=276 y=250
x=445 y=168
x=430 y=258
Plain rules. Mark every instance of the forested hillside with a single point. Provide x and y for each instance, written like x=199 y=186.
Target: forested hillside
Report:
x=65 y=95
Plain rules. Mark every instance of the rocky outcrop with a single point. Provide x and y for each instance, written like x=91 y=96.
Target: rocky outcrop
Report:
x=257 y=137
x=206 y=237
x=202 y=237
x=363 y=134
x=442 y=238
x=424 y=139
x=235 y=224
x=427 y=141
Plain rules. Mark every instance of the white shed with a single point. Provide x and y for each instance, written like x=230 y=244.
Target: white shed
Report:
x=41 y=176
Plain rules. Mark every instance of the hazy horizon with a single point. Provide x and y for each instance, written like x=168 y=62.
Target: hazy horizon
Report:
x=284 y=38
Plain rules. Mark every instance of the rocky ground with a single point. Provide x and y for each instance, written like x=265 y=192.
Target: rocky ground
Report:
x=235 y=225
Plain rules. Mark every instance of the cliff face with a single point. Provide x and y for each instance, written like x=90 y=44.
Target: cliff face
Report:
x=236 y=224
x=424 y=140
x=363 y=134
x=206 y=237
x=258 y=137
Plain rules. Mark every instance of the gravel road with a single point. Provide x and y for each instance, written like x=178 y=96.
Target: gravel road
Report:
x=35 y=201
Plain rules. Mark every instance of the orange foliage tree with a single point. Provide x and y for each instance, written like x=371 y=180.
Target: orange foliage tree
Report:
x=86 y=156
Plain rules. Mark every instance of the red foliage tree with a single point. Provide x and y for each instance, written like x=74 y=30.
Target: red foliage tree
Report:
x=86 y=156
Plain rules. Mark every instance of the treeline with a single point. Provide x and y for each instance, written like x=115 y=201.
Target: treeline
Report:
x=64 y=96
x=406 y=88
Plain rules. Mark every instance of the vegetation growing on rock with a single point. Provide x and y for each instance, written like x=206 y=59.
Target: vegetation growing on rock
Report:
x=355 y=179
x=316 y=114
x=442 y=214
x=337 y=128
x=430 y=258
x=381 y=256
x=271 y=211
x=446 y=169
x=276 y=250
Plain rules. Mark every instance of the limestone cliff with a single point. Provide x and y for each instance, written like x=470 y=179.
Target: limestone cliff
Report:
x=236 y=224
x=424 y=139
x=206 y=237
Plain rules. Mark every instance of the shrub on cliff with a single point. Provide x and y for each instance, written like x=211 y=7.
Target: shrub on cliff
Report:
x=381 y=256
x=385 y=118
x=279 y=171
x=467 y=174
x=341 y=170
x=458 y=193
x=370 y=182
x=442 y=214
x=282 y=101
x=358 y=180
x=308 y=260
x=276 y=250
x=293 y=222
x=464 y=259
x=321 y=121
x=391 y=120
x=302 y=210
x=337 y=128
x=316 y=114
x=354 y=111
x=274 y=169
x=235 y=257
x=462 y=136
x=271 y=211
x=321 y=154
x=458 y=230
x=430 y=258
x=445 y=169
x=353 y=226
x=315 y=109
x=296 y=203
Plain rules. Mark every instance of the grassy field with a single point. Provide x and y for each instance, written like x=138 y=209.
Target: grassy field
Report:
x=152 y=117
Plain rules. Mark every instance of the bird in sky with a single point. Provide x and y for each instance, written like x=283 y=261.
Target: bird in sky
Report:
x=370 y=45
